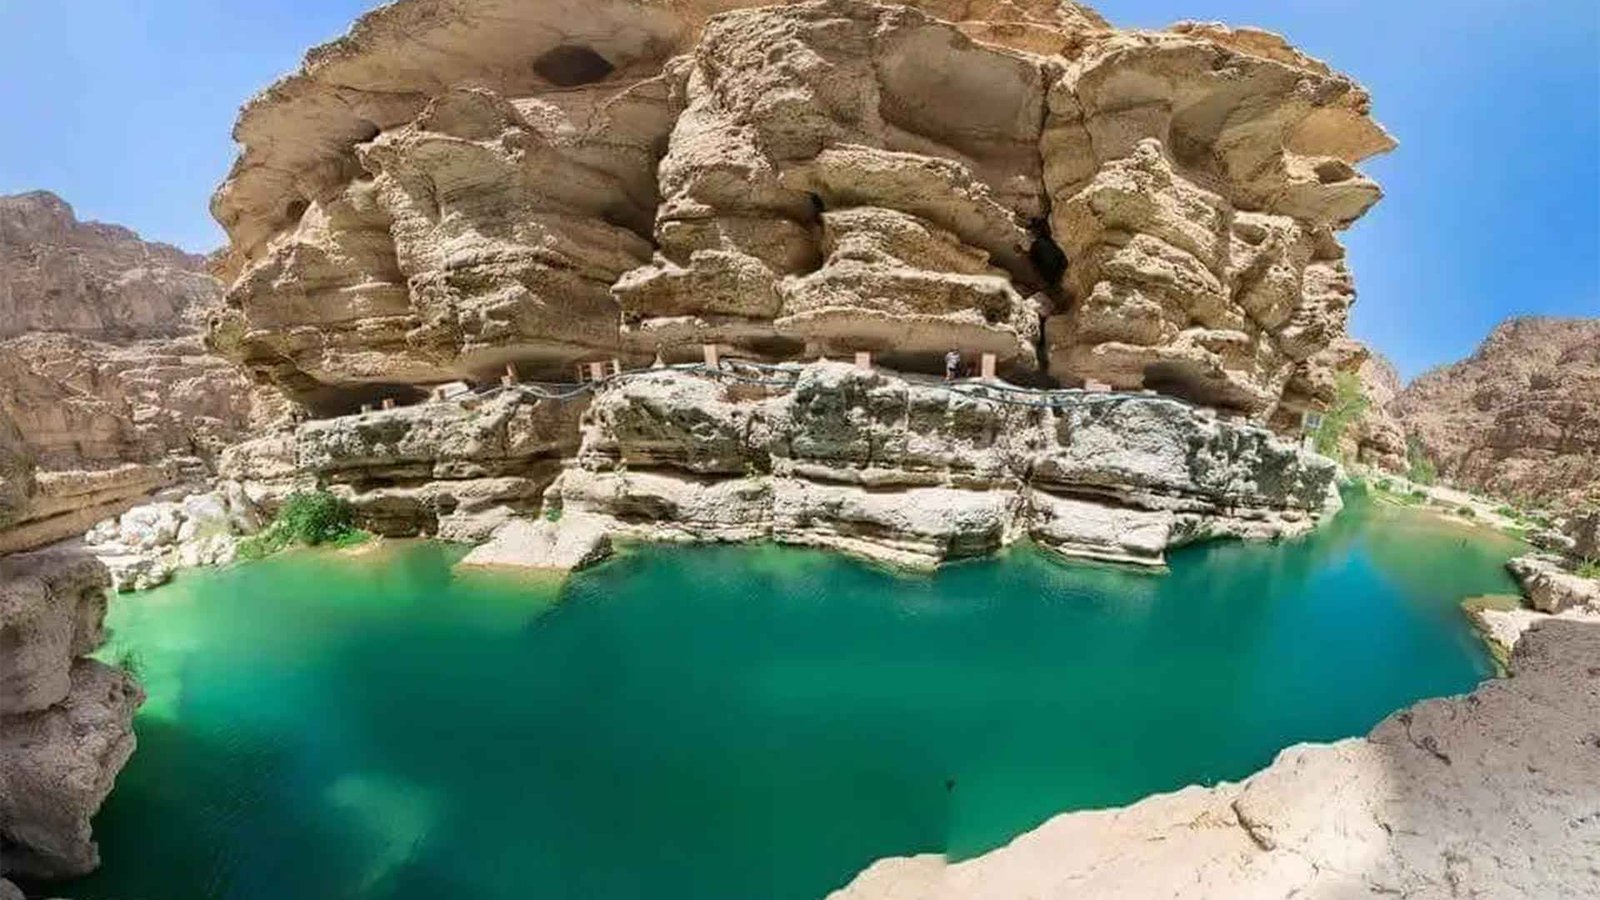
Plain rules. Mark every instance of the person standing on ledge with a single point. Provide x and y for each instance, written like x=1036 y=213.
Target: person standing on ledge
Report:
x=952 y=365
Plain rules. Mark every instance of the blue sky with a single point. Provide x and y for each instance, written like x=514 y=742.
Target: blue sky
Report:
x=124 y=108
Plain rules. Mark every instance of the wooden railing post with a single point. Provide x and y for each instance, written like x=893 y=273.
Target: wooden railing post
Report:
x=988 y=366
x=711 y=355
x=864 y=360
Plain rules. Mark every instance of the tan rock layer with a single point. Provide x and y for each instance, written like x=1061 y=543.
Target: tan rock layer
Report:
x=106 y=392
x=455 y=187
x=895 y=469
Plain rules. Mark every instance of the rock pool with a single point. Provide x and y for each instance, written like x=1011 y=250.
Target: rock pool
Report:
x=735 y=722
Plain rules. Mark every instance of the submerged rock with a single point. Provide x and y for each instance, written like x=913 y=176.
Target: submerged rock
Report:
x=1491 y=794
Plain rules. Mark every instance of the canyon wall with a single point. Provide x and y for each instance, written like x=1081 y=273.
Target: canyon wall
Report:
x=105 y=386
x=106 y=395
x=1520 y=418
x=454 y=187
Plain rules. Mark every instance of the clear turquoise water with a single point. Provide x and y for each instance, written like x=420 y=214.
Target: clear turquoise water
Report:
x=735 y=722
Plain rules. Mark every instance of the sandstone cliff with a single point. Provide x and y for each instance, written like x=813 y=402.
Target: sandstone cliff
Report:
x=1520 y=418
x=1487 y=795
x=105 y=388
x=456 y=186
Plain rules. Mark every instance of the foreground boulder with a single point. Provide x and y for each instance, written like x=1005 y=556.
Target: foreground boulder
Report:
x=1551 y=587
x=1489 y=795
x=572 y=543
x=66 y=722
x=454 y=187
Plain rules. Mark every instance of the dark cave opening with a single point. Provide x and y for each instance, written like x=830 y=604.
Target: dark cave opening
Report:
x=1046 y=255
x=571 y=65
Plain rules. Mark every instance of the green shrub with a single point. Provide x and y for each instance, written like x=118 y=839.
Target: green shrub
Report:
x=307 y=518
x=314 y=517
x=128 y=660
x=552 y=512
x=1349 y=402
x=1589 y=568
x=1419 y=467
x=1507 y=512
x=1419 y=494
x=1466 y=511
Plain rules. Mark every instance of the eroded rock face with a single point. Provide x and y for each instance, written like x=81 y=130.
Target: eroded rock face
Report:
x=916 y=473
x=1520 y=418
x=455 y=469
x=105 y=388
x=92 y=280
x=1490 y=794
x=66 y=722
x=455 y=187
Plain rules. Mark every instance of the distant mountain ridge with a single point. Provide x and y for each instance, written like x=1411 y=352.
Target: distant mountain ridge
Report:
x=1520 y=418
x=106 y=389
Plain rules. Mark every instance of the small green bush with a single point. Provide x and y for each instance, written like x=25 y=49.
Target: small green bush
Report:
x=128 y=660
x=1507 y=512
x=1466 y=511
x=1419 y=495
x=1420 y=468
x=1589 y=568
x=314 y=517
x=308 y=518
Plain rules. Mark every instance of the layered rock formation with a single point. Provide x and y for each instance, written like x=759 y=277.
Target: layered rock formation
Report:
x=454 y=187
x=455 y=470
x=1520 y=418
x=65 y=721
x=1487 y=795
x=105 y=388
x=867 y=462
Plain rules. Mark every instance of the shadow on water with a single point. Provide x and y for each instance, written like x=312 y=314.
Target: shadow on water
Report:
x=734 y=721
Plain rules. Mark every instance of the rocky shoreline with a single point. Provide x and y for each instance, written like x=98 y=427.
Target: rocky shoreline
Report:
x=66 y=721
x=892 y=468
x=1491 y=794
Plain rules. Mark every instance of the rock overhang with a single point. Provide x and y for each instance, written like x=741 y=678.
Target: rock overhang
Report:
x=760 y=120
